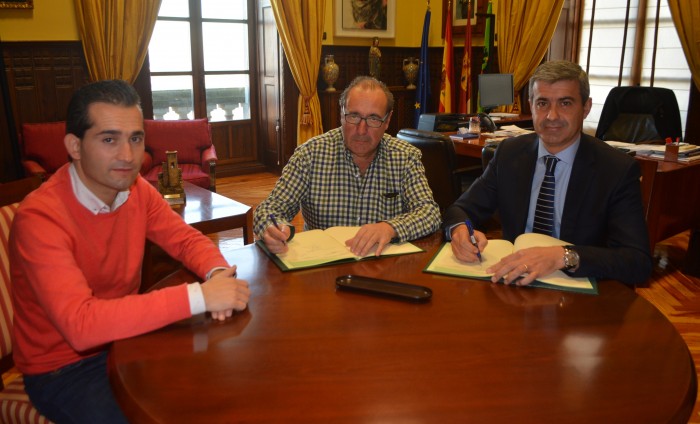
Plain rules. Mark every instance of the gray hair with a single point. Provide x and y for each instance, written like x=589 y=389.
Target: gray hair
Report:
x=369 y=83
x=561 y=70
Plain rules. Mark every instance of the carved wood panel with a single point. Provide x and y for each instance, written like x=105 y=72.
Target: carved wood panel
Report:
x=41 y=78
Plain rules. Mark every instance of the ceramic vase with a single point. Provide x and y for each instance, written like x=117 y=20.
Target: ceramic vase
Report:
x=410 y=71
x=330 y=72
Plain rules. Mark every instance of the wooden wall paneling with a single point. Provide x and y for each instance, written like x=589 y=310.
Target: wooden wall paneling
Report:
x=10 y=168
x=329 y=109
x=353 y=61
x=236 y=148
x=42 y=77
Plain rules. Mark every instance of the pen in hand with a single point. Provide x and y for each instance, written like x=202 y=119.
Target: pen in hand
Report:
x=470 y=228
x=274 y=222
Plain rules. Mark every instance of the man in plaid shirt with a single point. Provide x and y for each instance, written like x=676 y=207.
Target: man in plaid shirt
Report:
x=355 y=175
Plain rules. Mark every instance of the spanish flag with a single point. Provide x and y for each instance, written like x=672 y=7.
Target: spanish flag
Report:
x=447 y=77
x=465 y=86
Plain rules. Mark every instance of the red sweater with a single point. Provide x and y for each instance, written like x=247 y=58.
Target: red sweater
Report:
x=76 y=275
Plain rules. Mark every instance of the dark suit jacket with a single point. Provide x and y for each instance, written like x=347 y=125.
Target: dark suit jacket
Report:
x=603 y=214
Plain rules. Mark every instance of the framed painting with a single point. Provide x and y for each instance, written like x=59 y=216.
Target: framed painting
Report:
x=459 y=15
x=365 y=18
x=17 y=4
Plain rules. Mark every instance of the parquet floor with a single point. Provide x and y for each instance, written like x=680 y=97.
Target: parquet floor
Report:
x=676 y=295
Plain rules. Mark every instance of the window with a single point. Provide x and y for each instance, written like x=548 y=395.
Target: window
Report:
x=663 y=66
x=199 y=60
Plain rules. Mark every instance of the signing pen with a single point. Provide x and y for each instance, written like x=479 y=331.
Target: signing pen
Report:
x=274 y=222
x=470 y=228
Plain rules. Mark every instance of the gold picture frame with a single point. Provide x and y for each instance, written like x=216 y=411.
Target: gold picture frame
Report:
x=346 y=18
x=459 y=22
x=17 y=4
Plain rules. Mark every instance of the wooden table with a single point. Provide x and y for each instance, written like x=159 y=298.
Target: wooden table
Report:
x=208 y=212
x=477 y=352
x=470 y=147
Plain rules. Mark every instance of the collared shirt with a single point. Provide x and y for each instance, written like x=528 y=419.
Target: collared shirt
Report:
x=562 y=173
x=88 y=199
x=322 y=179
x=93 y=203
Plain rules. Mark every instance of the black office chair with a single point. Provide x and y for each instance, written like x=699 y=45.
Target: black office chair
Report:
x=639 y=115
x=440 y=162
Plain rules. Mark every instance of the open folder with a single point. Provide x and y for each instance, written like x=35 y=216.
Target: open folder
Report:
x=446 y=263
x=315 y=248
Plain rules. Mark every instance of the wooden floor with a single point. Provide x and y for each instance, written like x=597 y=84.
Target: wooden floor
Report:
x=676 y=295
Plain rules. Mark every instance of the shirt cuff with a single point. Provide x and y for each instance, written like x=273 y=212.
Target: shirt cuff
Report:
x=196 y=297
x=448 y=230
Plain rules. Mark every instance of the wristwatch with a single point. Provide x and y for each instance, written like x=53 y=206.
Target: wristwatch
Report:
x=571 y=258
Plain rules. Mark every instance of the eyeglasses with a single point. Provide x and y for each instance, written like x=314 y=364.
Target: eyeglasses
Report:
x=371 y=121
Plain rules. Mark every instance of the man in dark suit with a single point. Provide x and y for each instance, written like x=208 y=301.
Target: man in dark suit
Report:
x=597 y=203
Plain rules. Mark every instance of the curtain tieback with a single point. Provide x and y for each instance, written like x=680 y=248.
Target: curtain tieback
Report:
x=306 y=116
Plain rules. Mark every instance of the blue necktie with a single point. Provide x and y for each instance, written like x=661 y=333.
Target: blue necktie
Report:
x=544 y=210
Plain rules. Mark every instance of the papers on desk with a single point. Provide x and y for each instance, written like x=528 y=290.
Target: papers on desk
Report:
x=686 y=152
x=313 y=248
x=501 y=115
x=506 y=131
x=463 y=133
x=446 y=263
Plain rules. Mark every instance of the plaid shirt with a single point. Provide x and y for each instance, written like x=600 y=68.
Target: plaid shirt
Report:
x=323 y=180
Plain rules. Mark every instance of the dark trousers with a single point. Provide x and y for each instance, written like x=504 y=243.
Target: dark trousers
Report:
x=77 y=393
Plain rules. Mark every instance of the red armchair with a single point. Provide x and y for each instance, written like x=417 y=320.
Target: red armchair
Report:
x=196 y=155
x=42 y=148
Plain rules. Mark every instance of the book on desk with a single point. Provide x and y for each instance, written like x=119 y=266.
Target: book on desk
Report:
x=446 y=263
x=314 y=248
x=686 y=152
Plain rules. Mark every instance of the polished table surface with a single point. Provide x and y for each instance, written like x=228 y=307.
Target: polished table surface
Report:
x=470 y=147
x=209 y=213
x=477 y=352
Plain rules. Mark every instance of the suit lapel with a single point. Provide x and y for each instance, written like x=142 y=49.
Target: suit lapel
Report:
x=523 y=182
x=579 y=184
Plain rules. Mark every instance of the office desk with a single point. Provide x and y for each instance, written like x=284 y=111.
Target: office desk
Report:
x=674 y=206
x=470 y=147
x=522 y=121
x=477 y=352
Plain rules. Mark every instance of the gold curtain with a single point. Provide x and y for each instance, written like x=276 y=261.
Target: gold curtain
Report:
x=300 y=25
x=524 y=29
x=686 y=18
x=115 y=35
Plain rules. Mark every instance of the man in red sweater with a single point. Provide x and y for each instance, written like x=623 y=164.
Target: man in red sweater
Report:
x=76 y=249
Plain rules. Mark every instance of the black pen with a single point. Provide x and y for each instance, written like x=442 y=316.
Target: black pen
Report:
x=470 y=228
x=274 y=222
